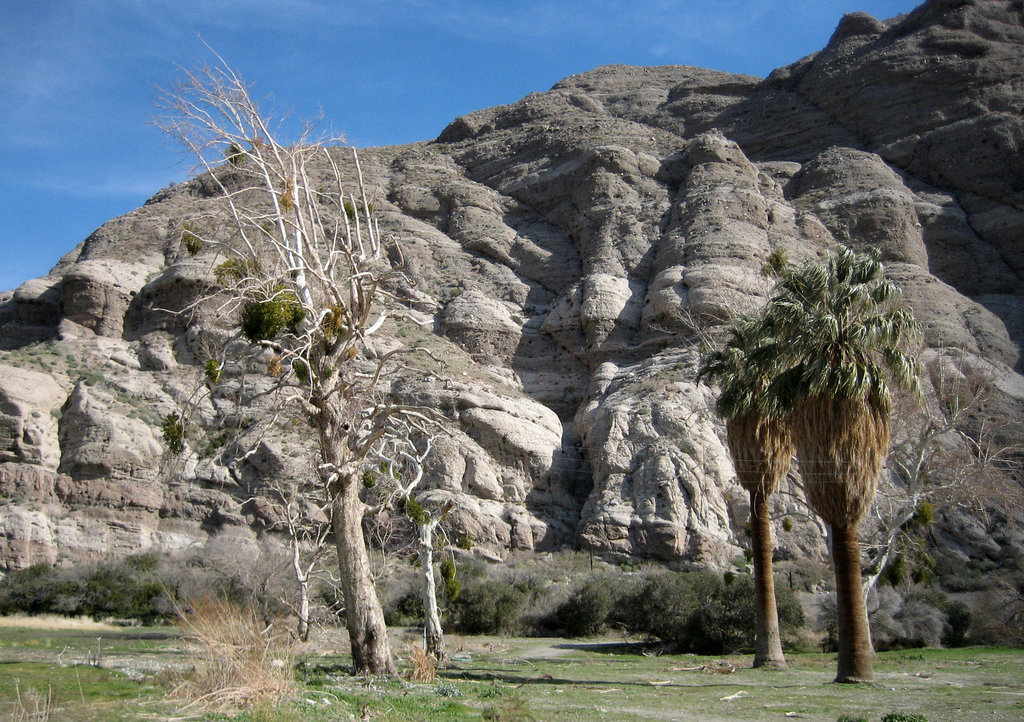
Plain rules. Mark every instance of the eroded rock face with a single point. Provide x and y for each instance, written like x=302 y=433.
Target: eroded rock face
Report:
x=660 y=473
x=28 y=425
x=569 y=252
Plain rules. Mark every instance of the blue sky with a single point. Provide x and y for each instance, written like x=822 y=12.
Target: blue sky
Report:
x=78 y=78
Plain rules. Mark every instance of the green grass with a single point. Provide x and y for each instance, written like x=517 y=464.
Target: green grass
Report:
x=520 y=679
x=75 y=692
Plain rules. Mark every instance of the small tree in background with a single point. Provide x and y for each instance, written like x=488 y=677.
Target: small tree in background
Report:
x=402 y=464
x=307 y=524
x=305 y=275
x=950 y=456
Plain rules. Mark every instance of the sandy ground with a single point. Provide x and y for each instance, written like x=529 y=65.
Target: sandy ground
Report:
x=53 y=621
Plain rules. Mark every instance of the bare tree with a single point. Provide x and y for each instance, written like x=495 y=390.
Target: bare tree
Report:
x=305 y=274
x=948 y=457
x=307 y=526
x=404 y=464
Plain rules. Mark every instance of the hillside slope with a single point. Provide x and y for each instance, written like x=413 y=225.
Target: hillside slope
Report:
x=568 y=252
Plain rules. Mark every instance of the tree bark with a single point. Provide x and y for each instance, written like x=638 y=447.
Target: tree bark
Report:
x=855 y=652
x=768 y=638
x=303 y=629
x=433 y=636
x=371 y=651
x=302 y=577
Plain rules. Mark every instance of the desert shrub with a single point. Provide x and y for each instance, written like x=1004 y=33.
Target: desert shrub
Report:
x=487 y=607
x=509 y=709
x=106 y=591
x=1000 y=614
x=35 y=590
x=922 y=624
x=904 y=717
x=258 y=578
x=404 y=611
x=128 y=589
x=147 y=562
x=236 y=661
x=701 y=612
x=172 y=427
x=587 y=609
x=653 y=605
x=911 y=619
x=958 y=618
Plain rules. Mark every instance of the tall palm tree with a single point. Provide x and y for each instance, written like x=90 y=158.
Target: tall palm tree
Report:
x=843 y=331
x=761 y=448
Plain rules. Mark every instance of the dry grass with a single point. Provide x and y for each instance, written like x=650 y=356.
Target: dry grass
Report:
x=424 y=666
x=53 y=621
x=32 y=705
x=237 y=662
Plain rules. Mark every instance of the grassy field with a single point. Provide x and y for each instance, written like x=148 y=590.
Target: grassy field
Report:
x=58 y=672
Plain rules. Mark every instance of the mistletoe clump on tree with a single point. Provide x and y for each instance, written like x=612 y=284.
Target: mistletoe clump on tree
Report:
x=305 y=275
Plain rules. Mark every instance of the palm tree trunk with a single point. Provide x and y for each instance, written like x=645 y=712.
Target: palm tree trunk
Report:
x=855 y=652
x=371 y=651
x=768 y=639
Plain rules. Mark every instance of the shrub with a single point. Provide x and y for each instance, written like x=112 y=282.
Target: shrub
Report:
x=1000 y=614
x=107 y=592
x=173 y=430
x=128 y=589
x=487 y=607
x=234 y=155
x=190 y=239
x=405 y=611
x=34 y=590
x=212 y=370
x=904 y=717
x=958 y=618
x=700 y=612
x=235 y=660
x=234 y=270
x=587 y=609
x=917 y=620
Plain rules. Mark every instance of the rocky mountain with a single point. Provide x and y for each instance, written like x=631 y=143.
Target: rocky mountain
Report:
x=569 y=252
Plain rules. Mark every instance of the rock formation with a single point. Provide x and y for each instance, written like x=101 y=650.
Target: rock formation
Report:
x=569 y=252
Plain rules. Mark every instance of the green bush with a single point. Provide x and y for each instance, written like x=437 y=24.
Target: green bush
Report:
x=405 y=611
x=487 y=607
x=173 y=430
x=586 y=611
x=958 y=618
x=191 y=240
x=904 y=717
x=35 y=590
x=699 y=612
x=127 y=589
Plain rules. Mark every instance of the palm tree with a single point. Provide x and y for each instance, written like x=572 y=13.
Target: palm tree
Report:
x=842 y=329
x=761 y=448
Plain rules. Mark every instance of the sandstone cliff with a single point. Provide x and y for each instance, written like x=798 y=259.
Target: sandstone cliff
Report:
x=568 y=251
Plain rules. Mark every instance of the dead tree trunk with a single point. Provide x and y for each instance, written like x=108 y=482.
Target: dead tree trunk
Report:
x=433 y=636
x=371 y=651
